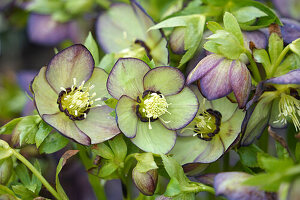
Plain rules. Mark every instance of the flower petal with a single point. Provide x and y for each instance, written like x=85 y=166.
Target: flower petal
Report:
x=67 y=127
x=167 y=80
x=230 y=185
x=240 y=80
x=55 y=32
x=156 y=140
x=216 y=83
x=290 y=30
x=44 y=97
x=257 y=37
x=126 y=116
x=203 y=67
x=99 y=79
x=99 y=125
x=73 y=62
x=293 y=77
x=182 y=109
x=126 y=78
x=225 y=107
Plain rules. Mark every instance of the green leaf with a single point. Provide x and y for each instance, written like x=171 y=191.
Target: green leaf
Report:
x=248 y=13
x=214 y=26
x=107 y=169
x=7 y=128
x=103 y=151
x=5 y=150
x=23 y=192
x=23 y=175
x=107 y=62
x=42 y=133
x=275 y=47
x=52 y=143
x=6 y=191
x=231 y=25
x=92 y=46
x=261 y=56
x=271 y=164
x=27 y=128
x=171 y=22
x=145 y=162
x=295 y=46
x=34 y=180
x=149 y=62
x=68 y=154
x=268 y=182
x=248 y=155
x=297 y=151
x=173 y=188
x=112 y=102
x=119 y=147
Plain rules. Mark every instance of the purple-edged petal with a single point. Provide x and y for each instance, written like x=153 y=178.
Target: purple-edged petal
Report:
x=177 y=40
x=99 y=79
x=293 y=77
x=290 y=30
x=24 y=79
x=240 y=80
x=216 y=83
x=44 y=96
x=287 y=8
x=67 y=127
x=181 y=111
x=126 y=78
x=42 y=29
x=156 y=140
x=99 y=124
x=126 y=116
x=73 y=62
x=203 y=67
x=167 y=80
x=257 y=37
x=230 y=185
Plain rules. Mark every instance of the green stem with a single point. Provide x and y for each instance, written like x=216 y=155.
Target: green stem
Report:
x=278 y=61
x=253 y=67
x=200 y=188
x=36 y=173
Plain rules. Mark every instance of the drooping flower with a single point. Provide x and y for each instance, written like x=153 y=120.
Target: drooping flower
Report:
x=219 y=76
x=68 y=93
x=123 y=30
x=276 y=102
x=152 y=103
x=213 y=130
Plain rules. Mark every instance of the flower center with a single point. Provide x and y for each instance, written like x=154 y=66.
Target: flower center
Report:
x=151 y=106
x=75 y=101
x=289 y=107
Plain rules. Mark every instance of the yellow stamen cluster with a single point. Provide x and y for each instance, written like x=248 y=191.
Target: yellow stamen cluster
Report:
x=155 y=106
x=289 y=107
x=78 y=99
x=205 y=123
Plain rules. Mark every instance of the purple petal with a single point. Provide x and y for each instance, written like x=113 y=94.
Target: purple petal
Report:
x=43 y=30
x=230 y=185
x=240 y=80
x=216 y=83
x=257 y=37
x=73 y=62
x=24 y=79
x=290 y=30
x=287 y=8
x=203 y=67
x=293 y=77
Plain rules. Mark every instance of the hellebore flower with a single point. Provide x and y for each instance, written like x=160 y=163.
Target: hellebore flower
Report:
x=230 y=185
x=278 y=102
x=218 y=77
x=290 y=30
x=123 y=30
x=66 y=95
x=152 y=103
x=288 y=8
x=211 y=133
x=44 y=30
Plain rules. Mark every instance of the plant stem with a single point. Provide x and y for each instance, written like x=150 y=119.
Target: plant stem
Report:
x=36 y=173
x=253 y=67
x=200 y=188
x=279 y=59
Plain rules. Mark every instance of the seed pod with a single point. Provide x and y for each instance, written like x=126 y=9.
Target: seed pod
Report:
x=145 y=182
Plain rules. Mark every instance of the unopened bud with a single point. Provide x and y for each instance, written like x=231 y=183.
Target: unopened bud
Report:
x=145 y=182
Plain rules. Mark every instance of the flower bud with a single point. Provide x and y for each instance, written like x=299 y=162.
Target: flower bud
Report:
x=177 y=40
x=6 y=166
x=145 y=182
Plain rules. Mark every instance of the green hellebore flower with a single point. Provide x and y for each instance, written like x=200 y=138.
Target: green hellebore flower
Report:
x=152 y=103
x=276 y=101
x=213 y=130
x=68 y=95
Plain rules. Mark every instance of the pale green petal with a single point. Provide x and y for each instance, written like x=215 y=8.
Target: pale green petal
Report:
x=167 y=80
x=126 y=78
x=44 y=96
x=73 y=62
x=182 y=109
x=225 y=107
x=156 y=140
x=99 y=125
x=126 y=116
x=67 y=127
